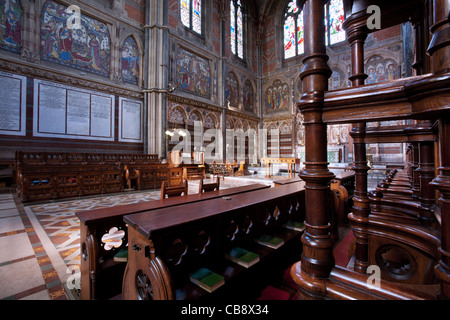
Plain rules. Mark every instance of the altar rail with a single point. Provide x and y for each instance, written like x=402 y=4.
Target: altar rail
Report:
x=42 y=176
x=103 y=234
x=164 y=247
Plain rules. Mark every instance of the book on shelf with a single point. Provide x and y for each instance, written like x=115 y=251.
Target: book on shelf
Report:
x=207 y=279
x=242 y=257
x=270 y=241
x=295 y=225
x=121 y=255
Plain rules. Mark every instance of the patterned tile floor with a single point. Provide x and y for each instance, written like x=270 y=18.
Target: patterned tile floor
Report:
x=39 y=243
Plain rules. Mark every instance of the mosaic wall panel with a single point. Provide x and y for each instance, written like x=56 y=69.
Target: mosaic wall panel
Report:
x=249 y=97
x=10 y=19
x=130 y=61
x=337 y=80
x=86 y=47
x=193 y=74
x=277 y=97
x=232 y=90
x=380 y=69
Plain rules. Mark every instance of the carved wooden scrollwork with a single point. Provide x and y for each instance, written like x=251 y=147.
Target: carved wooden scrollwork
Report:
x=396 y=262
x=143 y=286
x=156 y=283
x=201 y=242
x=176 y=252
x=231 y=231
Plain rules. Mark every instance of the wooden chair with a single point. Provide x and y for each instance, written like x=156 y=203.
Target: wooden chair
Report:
x=173 y=191
x=205 y=187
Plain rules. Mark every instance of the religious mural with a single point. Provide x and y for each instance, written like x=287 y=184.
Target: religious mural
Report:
x=193 y=73
x=277 y=97
x=86 y=47
x=380 y=69
x=232 y=90
x=248 y=97
x=10 y=24
x=337 y=80
x=130 y=61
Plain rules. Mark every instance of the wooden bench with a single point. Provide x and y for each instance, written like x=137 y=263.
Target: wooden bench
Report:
x=174 y=190
x=101 y=277
x=166 y=246
x=208 y=186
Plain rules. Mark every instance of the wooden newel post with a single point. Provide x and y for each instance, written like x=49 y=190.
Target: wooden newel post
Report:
x=356 y=35
x=317 y=256
x=439 y=50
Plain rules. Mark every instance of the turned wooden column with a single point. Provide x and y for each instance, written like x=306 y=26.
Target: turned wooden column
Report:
x=356 y=35
x=361 y=206
x=439 y=50
x=317 y=256
x=426 y=175
x=415 y=173
x=442 y=183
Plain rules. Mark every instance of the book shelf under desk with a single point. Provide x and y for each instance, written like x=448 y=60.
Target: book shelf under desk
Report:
x=199 y=235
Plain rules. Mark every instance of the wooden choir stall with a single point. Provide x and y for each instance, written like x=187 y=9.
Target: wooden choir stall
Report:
x=401 y=229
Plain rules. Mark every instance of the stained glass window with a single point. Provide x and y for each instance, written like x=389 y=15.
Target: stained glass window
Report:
x=197 y=16
x=191 y=14
x=294 y=32
x=336 y=20
x=236 y=28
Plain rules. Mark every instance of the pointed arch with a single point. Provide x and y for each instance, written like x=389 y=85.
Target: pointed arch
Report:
x=177 y=116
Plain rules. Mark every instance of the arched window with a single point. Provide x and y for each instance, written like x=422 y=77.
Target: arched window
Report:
x=293 y=27
x=191 y=14
x=236 y=28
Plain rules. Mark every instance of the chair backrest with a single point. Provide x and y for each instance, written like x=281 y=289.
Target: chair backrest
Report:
x=205 y=187
x=173 y=191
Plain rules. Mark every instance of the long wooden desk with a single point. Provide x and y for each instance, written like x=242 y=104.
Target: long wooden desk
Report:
x=101 y=277
x=168 y=244
x=289 y=161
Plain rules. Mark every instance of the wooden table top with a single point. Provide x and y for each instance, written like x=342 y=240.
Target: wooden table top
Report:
x=92 y=216
x=164 y=218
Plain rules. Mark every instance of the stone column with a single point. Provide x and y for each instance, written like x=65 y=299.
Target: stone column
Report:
x=156 y=75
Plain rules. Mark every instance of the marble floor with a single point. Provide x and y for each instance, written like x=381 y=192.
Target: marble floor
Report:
x=39 y=243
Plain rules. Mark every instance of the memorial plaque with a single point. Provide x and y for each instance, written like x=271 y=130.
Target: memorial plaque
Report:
x=101 y=115
x=62 y=111
x=130 y=120
x=52 y=109
x=78 y=112
x=13 y=106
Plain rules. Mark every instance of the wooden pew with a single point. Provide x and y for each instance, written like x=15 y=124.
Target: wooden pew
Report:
x=173 y=190
x=166 y=246
x=43 y=176
x=101 y=277
x=206 y=187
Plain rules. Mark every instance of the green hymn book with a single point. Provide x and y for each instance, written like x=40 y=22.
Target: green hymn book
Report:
x=270 y=241
x=207 y=279
x=294 y=225
x=242 y=257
